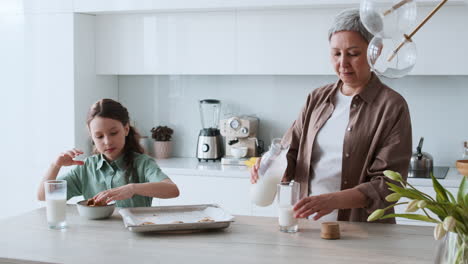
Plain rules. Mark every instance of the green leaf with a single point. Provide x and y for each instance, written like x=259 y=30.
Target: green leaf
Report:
x=412 y=194
x=440 y=191
x=411 y=216
x=460 y=214
x=451 y=197
x=394 y=187
x=466 y=199
x=462 y=191
x=436 y=210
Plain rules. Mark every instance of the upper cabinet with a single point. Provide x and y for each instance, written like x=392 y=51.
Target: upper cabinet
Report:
x=176 y=43
x=283 y=42
x=144 y=6
x=270 y=42
x=441 y=42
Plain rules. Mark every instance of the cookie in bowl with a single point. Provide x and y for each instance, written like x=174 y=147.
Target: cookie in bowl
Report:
x=91 y=210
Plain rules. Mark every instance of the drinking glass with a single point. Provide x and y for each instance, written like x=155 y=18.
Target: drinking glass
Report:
x=288 y=196
x=56 y=200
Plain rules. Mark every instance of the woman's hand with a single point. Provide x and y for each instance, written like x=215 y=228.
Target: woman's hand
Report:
x=321 y=204
x=67 y=158
x=254 y=171
x=116 y=194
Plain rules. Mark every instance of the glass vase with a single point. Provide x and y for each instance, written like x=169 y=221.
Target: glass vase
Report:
x=453 y=249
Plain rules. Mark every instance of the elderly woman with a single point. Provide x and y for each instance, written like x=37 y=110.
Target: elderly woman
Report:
x=347 y=134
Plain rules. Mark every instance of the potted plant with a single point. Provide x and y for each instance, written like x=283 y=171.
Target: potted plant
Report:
x=451 y=214
x=162 y=141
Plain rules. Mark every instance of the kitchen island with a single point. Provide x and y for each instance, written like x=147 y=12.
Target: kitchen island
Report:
x=250 y=239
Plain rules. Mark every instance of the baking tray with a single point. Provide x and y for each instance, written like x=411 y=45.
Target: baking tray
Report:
x=175 y=218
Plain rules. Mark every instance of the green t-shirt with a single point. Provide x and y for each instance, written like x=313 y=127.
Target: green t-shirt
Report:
x=97 y=175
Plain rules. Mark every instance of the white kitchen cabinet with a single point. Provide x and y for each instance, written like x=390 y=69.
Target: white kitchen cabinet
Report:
x=195 y=43
x=273 y=42
x=283 y=42
x=121 y=47
x=232 y=194
x=96 y=7
x=440 y=42
x=107 y=44
x=168 y=43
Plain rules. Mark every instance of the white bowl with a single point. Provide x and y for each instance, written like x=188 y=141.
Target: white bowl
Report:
x=239 y=152
x=95 y=212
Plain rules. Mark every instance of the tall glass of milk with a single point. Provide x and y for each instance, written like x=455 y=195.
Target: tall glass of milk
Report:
x=56 y=200
x=288 y=196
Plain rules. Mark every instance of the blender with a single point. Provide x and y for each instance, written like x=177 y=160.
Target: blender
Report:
x=209 y=140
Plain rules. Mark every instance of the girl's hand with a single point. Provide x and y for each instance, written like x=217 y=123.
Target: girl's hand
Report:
x=67 y=158
x=321 y=204
x=116 y=194
x=254 y=171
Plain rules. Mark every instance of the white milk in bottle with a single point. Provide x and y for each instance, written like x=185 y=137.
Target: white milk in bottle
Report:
x=270 y=172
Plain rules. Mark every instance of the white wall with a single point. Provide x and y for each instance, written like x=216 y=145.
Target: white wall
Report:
x=15 y=133
x=37 y=99
x=437 y=105
x=88 y=87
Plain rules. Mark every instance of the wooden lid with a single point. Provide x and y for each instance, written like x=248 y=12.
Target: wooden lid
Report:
x=330 y=230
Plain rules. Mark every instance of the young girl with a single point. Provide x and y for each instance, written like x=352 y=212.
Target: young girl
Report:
x=119 y=171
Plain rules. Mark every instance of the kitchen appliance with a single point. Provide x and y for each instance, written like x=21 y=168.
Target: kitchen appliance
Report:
x=240 y=133
x=209 y=146
x=421 y=163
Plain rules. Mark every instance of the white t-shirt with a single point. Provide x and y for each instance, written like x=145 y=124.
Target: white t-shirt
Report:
x=327 y=152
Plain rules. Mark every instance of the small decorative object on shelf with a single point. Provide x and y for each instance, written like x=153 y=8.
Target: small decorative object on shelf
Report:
x=162 y=144
x=451 y=215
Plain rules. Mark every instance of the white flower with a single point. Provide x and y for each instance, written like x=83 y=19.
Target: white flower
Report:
x=422 y=204
x=376 y=215
x=439 y=231
x=449 y=223
x=412 y=206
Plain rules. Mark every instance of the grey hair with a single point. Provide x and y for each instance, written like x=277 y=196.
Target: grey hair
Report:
x=349 y=20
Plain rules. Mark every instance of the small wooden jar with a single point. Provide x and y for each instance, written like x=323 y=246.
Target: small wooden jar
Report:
x=330 y=230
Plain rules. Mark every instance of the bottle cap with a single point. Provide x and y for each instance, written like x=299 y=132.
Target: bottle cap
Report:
x=330 y=230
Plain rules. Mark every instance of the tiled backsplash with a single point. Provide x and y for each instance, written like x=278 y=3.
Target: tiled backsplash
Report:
x=438 y=105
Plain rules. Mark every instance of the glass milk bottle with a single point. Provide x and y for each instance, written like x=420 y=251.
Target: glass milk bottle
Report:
x=270 y=172
x=288 y=196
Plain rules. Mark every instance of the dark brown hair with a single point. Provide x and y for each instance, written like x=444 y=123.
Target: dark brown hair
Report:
x=108 y=108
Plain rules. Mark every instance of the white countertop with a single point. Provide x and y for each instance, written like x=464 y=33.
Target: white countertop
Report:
x=452 y=180
x=26 y=239
x=191 y=166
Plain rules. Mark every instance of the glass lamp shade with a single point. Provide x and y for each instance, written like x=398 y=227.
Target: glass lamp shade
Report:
x=388 y=18
x=383 y=61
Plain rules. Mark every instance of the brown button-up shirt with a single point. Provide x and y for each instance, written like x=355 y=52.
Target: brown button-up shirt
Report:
x=377 y=138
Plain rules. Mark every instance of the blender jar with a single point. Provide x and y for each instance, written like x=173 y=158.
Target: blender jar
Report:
x=209 y=113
